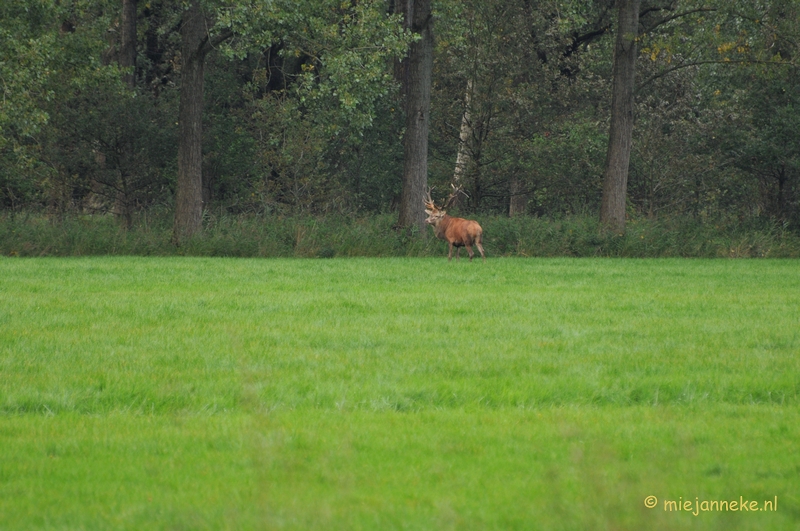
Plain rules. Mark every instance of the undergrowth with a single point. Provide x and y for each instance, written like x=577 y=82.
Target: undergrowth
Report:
x=31 y=234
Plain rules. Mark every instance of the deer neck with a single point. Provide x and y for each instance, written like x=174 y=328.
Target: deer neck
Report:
x=441 y=227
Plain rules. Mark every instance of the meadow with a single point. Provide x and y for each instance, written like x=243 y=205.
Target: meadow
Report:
x=398 y=393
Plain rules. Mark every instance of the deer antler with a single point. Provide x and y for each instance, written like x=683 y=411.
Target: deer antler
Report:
x=429 y=204
x=454 y=196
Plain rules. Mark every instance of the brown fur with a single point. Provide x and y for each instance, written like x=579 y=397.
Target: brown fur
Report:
x=458 y=232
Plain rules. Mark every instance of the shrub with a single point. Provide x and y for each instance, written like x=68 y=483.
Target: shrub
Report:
x=253 y=235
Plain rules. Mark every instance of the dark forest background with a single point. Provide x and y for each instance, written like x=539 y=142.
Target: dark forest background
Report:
x=303 y=104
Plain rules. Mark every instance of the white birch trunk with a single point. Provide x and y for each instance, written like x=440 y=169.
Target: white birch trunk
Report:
x=463 y=157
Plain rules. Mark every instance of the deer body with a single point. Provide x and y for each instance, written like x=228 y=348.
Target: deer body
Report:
x=458 y=232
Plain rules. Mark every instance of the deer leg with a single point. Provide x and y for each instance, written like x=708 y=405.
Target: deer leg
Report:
x=480 y=248
x=471 y=254
x=450 y=253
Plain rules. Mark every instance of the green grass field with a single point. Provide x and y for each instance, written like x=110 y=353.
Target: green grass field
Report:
x=398 y=393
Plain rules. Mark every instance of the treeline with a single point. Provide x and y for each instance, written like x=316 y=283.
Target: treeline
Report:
x=215 y=108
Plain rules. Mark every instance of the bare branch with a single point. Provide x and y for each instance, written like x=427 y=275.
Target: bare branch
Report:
x=710 y=62
x=677 y=16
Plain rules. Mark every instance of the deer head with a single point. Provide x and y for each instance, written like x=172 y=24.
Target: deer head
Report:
x=435 y=214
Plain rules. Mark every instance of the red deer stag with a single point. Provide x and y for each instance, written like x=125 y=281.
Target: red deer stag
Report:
x=458 y=232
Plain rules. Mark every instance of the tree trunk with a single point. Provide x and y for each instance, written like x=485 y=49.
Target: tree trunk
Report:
x=417 y=84
x=189 y=193
x=123 y=203
x=127 y=55
x=615 y=183
x=463 y=156
x=519 y=200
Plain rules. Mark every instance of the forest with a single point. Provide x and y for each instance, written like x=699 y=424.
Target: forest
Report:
x=222 y=305
x=606 y=112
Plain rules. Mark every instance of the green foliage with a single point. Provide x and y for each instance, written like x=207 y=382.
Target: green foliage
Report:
x=229 y=148
x=351 y=52
x=761 y=140
x=26 y=51
x=292 y=138
x=56 y=52
x=24 y=68
x=718 y=111
x=344 y=50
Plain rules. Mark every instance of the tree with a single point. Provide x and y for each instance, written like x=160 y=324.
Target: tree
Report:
x=532 y=74
x=189 y=189
x=127 y=63
x=344 y=49
x=27 y=41
x=756 y=103
x=417 y=89
x=615 y=181
x=196 y=42
x=465 y=134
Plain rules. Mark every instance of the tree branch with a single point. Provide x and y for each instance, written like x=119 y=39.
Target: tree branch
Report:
x=678 y=15
x=209 y=43
x=709 y=62
x=578 y=40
